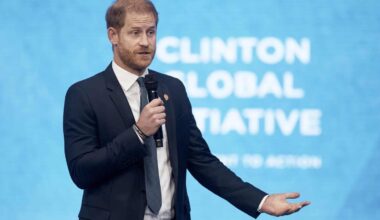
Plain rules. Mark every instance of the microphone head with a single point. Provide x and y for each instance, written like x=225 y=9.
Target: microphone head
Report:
x=150 y=82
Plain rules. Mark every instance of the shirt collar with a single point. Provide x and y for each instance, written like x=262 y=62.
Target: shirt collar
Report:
x=125 y=78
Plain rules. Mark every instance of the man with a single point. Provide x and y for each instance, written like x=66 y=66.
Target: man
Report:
x=108 y=143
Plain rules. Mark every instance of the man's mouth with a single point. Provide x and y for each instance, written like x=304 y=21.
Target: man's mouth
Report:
x=143 y=52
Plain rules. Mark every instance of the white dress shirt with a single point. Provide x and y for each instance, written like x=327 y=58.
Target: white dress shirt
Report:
x=131 y=88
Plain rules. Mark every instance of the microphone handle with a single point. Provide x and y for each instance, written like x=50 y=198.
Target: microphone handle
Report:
x=152 y=94
x=158 y=137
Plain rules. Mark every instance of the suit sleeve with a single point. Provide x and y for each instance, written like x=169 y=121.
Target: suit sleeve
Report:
x=215 y=176
x=89 y=163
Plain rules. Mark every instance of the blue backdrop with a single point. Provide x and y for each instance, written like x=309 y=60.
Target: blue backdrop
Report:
x=285 y=92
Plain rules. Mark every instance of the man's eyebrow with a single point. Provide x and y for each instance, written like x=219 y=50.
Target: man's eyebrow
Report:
x=139 y=28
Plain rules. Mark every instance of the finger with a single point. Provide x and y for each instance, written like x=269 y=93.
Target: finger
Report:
x=303 y=204
x=297 y=206
x=160 y=116
x=293 y=208
x=292 y=195
x=160 y=121
x=158 y=109
x=161 y=102
x=155 y=110
x=156 y=102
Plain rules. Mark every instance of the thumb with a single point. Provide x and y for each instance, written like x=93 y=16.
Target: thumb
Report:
x=292 y=195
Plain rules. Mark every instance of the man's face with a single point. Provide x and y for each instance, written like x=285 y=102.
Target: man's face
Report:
x=136 y=42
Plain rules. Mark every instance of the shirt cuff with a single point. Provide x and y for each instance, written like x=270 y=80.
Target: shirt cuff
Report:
x=262 y=203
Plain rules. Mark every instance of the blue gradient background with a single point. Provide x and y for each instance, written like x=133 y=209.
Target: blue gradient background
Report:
x=48 y=45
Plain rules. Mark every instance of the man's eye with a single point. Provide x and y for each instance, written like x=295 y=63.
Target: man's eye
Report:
x=135 y=33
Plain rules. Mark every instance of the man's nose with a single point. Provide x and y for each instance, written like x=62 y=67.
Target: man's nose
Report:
x=144 y=40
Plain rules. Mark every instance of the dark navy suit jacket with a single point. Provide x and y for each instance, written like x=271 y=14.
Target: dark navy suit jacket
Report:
x=105 y=156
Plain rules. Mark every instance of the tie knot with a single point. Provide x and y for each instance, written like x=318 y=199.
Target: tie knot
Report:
x=140 y=81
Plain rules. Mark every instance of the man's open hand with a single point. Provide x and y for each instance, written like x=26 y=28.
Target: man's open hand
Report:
x=277 y=204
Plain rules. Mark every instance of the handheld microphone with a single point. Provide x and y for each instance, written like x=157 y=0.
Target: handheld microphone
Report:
x=151 y=87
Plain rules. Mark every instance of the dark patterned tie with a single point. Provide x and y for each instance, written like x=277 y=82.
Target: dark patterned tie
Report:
x=152 y=180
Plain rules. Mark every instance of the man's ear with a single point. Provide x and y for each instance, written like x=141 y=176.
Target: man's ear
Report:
x=113 y=36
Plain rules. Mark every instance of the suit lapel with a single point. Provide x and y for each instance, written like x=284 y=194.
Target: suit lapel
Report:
x=118 y=97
